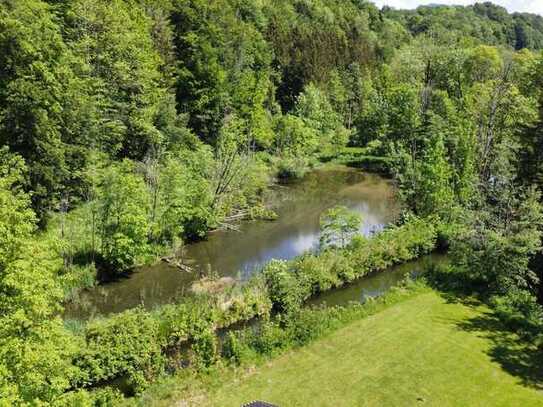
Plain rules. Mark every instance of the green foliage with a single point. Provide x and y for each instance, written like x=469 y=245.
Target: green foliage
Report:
x=294 y=137
x=122 y=73
x=520 y=310
x=123 y=216
x=134 y=125
x=497 y=255
x=35 y=350
x=485 y=22
x=134 y=347
x=97 y=398
x=204 y=347
x=126 y=346
x=38 y=97
x=531 y=153
x=314 y=108
x=131 y=79
x=224 y=65
x=291 y=283
x=183 y=197
x=338 y=225
x=430 y=178
x=292 y=167
x=286 y=292
x=17 y=221
x=302 y=327
x=313 y=39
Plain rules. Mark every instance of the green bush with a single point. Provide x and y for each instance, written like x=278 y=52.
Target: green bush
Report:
x=123 y=215
x=126 y=346
x=244 y=303
x=338 y=226
x=287 y=293
x=307 y=325
x=269 y=339
x=520 y=310
x=290 y=167
x=105 y=397
x=236 y=349
x=318 y=272
x=204 y=348
x=179 y=322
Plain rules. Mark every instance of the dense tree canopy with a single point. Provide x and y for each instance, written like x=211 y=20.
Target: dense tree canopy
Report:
x=130 y=126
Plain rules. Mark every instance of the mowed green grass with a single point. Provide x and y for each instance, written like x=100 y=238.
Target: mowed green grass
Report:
x=421 y=352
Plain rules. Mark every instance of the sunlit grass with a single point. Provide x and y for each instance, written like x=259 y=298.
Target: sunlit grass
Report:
x=423 y=351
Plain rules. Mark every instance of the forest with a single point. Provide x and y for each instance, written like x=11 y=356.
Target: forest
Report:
x=129 y=128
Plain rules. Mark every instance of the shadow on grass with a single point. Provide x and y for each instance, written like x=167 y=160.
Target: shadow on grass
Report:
x=516 y=356
x=457 y=287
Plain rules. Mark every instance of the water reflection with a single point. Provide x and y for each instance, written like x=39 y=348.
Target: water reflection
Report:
x=239 y=254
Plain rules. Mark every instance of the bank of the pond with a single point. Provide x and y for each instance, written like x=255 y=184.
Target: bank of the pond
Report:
x=136 y=347
x=422 y=350
x=191 y=388
x=238 y=255
x=363 y=290
x=377 y=283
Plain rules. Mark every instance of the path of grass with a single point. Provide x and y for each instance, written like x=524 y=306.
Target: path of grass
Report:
x=421 y=352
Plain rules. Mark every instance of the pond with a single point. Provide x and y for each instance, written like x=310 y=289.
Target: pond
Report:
x=239 y=254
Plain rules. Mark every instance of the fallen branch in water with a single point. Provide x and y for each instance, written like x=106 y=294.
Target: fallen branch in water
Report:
x=229 y=226
x=238 y=216
x=178 y=264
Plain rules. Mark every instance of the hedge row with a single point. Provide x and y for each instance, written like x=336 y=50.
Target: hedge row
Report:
x=290 y=283
x=133 y=348
x=305 y=325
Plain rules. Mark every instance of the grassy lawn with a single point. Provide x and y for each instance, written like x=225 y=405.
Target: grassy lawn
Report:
x=424 y=351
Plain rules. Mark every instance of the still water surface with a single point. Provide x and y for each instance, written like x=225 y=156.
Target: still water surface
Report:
x=239 y=254
x=376 y=284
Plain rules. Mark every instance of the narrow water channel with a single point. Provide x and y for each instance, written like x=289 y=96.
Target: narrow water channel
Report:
x=376 y=284
x=238 y=254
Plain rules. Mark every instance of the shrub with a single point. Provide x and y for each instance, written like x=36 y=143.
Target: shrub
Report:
x=105 y=397
x=269 y=338
x=180 y=322
x=306 y=325
x=235 y=348
x=244 y=303
x=338 y=225
x=290 y=283
x=123 y=216
x=204 y=347
x=317 y=272
x=286 y=292
x=520 y=310
x=292 y=167
x=125 y=346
